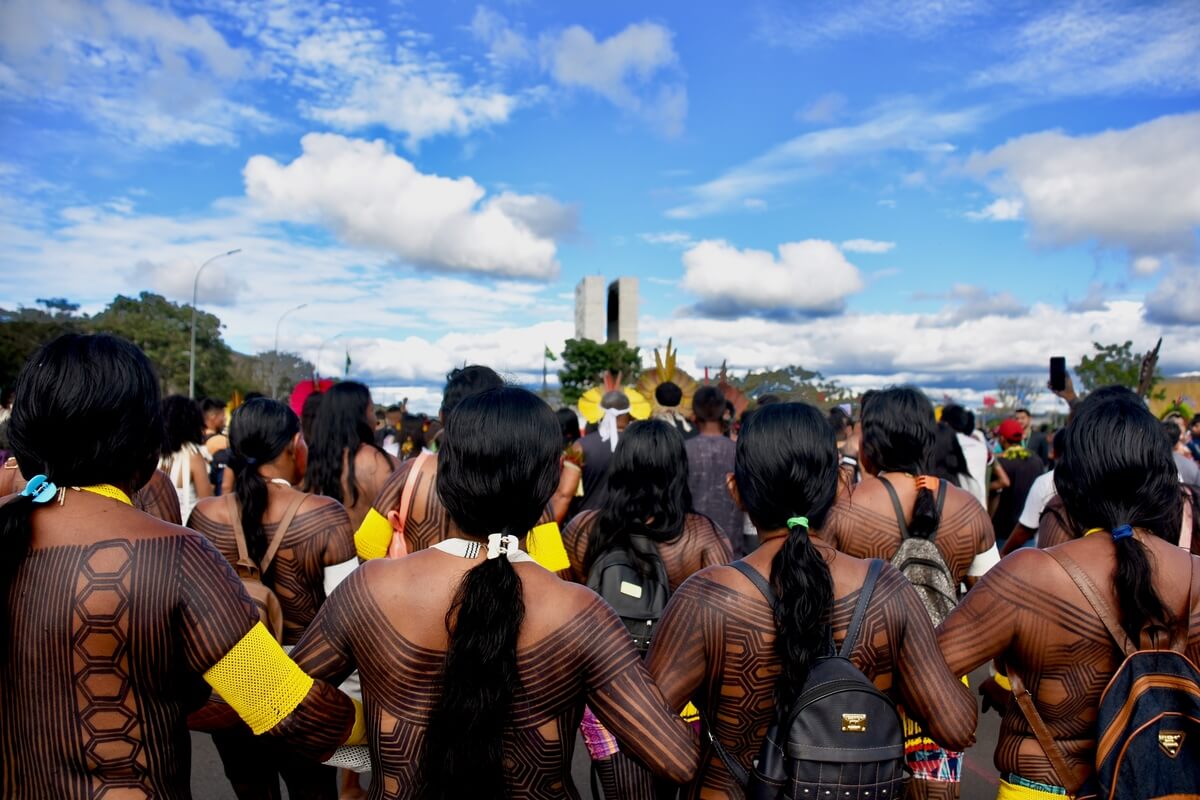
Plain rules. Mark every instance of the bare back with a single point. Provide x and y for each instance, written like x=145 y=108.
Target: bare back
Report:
x=388 y=621
x=700 y=544
x=319 y=536
x=110 y=623
x=715 y=647
x=863 y=524
x=372 y=468
x=1029 y=614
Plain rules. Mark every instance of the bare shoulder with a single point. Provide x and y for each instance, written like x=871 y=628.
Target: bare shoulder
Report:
x=320 y=503
x=211 y=509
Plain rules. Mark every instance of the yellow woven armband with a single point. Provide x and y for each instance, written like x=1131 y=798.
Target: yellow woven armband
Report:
x=1002 y=681
x=373 y=537
x=358 y=734
x=259 y=681
x=545 y=546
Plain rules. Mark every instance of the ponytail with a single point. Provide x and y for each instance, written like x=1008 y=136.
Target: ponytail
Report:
x=16 y=533
x=465 y=736
x=804 y=586
x=251 y=491
x=1133 y=578
x=925 y=517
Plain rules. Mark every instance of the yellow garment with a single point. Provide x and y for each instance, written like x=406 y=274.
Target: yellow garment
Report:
x=109 y=491
x=259 y=680
x=1010 y=791
x=690 y=713
x=545 y=546
x=373 y=537
x=358 y=734
x=1002 y=681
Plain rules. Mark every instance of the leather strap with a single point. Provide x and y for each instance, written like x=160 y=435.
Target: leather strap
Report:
x=239 y=534
x=757 y=579
x=899 y=509
x=1101 y=606
x=1069 y=779
x=399 y=546
x=860 y=609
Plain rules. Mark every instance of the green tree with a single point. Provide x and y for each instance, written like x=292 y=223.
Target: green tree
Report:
x=273 y=374
x=793 y=383
x=584 y=363
x=1114 y=365
x=25 y=330
x=163 y=330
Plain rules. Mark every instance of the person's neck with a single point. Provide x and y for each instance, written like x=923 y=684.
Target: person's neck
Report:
x=270 y=472
x=708 y=428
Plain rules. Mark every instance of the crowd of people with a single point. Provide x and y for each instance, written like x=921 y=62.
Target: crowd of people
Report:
x=449 y=603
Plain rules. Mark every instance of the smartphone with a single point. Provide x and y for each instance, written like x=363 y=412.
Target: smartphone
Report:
x=1058 y=373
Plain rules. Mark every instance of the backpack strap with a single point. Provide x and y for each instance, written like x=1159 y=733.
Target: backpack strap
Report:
x=757 y=579
x=860 y=610
x=896 y=506
x=245 y=564
x=1050 y=746
x=399 y=545
x=1103 y=609
x=288 y=515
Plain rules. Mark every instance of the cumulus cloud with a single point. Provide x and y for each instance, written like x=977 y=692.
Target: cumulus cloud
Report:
x=622 y=69
x=218 y=284
x=809 y=277
x=369 y=196
x=1176 y=299
x=1002 y=209
x=969 y=302
x=867 y=246
x=506 y=45
x=1095 y=188
x=902 y=125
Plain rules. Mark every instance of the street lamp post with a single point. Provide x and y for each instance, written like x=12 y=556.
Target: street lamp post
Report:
x=275 y=351
x=192 y=351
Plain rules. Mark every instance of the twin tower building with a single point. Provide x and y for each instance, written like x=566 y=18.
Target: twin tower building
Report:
x=607 y=313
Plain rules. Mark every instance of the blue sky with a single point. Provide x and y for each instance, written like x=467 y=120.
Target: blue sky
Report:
x=942 y=191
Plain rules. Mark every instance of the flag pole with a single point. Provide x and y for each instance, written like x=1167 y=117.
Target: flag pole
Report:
x=545 y=386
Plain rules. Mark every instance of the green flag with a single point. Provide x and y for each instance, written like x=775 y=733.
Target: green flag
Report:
x=550 y=355
x=347 y=362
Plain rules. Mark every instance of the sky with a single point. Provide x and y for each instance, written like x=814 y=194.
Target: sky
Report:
x=943 y=192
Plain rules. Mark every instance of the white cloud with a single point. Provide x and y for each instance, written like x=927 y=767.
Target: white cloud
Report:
x=138 y=72
x=808 y=277
x=506 y=45
x=1102 y=48
x=832 y=21
x=824 y=109
x=969 y=302
x=218 y=285
x=671 y=238
x=1176 y=299
x=1002 y=209
x=1146 y=265
x=369 y=196
x=901 y=125
x=867 y=246
x=622 y=69
x=1134 y=189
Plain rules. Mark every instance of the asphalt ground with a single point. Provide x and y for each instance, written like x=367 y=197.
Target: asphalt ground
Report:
x=979 y=776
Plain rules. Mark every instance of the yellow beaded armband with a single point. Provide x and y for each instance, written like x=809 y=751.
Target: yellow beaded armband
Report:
x=358 y=734
x=545 y=546
x=373 y=537
x=259 y=681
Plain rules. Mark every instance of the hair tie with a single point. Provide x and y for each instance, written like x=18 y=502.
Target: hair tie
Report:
x=250 y=462
x=501 y=545
x=795 y=522
x=40 y=488
x=1121 y=532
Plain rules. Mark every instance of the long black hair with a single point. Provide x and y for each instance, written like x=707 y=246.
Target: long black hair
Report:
x=183 y=422
x=340 y=430
x=570 y=426
x=787 y=467
x=898 y=433
x=86 y=412
x=497 y=469
x=1118 y=470
x=648 y=490
x=946 y=459
x=259 y=431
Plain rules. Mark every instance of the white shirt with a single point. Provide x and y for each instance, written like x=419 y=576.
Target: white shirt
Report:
x=1040 y=493
x=976 y=453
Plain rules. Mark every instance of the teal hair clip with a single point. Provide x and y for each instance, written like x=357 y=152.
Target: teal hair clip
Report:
x=797 y=521
x=40 y=488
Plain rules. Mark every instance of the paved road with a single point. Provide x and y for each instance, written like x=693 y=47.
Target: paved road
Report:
x=979 y=776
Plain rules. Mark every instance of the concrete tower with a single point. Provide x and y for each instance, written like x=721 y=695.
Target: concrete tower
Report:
x=623 y=311
x=590 y=320
x=607 y=314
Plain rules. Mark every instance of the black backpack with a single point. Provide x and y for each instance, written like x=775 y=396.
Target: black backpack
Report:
x=637 y=598
x=1148 y=725
x=841 y=739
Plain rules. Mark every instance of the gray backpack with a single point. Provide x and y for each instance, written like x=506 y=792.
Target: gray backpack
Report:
x=919 y=560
